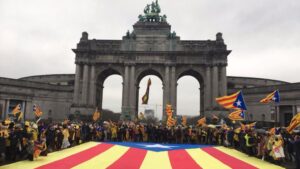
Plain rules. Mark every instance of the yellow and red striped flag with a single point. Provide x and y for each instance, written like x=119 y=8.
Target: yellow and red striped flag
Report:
x=237 y=115
x=201 y=121
x=295 y=122
x=116 y=155
x=17 y=109
x=183 y=120
x=145 y=98
x=171 y=121
x=233 y=101
x=274 y=96
x=96 y=115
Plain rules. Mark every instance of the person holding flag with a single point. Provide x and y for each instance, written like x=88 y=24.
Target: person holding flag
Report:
x=145 y=98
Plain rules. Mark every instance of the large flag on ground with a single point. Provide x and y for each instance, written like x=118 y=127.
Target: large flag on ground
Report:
x=145 y=98
x=295 y=122
x=237 y=115
x=125 y=155
x=274 y=96
x=234 y=101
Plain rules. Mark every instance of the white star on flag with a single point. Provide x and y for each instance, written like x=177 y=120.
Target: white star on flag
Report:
x=157 y=146
x=238 y=103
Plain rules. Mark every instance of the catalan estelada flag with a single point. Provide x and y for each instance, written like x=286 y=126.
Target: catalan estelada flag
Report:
x=237 y=115
x=125 y=155
x=145 y=98
x=274 y=96
x=233 y=101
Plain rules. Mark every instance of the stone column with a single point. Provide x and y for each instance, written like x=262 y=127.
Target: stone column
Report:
x=215 y=85
x=76 y=85
x=207 y=88
x=223 y=81
x=166 y=90
x=201 y=107
x=132 y=93
x=100 y=96
x=85 y=84
x=125 y=97
x=173 y=91
x=92 y=98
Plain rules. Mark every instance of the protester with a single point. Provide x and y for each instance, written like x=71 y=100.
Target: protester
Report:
x=34 y=140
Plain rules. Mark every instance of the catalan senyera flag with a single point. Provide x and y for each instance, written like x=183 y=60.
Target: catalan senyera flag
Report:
x=171 y=121
x=169 y=111
x=274 y=96
x=17 y=109
x=96 y=115
x=183 y=120
x=201 y=121
x=129 y=155
x=37 y=111
x=141 y=116
x=237 y=115
x=234 y=101
x=295 y=122
x=247 y=126
x=145 y=98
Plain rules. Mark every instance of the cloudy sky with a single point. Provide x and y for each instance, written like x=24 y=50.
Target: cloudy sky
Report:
x=36 y=37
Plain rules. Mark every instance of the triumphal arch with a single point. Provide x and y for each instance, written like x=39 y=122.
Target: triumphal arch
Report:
x=150 y=49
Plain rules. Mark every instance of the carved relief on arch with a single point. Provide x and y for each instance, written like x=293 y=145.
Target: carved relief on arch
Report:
x=144 y=70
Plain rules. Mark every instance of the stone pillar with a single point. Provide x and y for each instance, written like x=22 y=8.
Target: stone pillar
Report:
x=92 y=98
x=215 y=85
x=125 y=97
x=166 y=90
x=294 y=109
x=77 y=84
x=173 y=91
x=85 y=84
x=223 y=81
x=201 y=107
x=132 y=93
x=100 y=90
x=207 y=88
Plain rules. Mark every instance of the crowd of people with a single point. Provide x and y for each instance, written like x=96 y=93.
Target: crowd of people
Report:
x=31 y=140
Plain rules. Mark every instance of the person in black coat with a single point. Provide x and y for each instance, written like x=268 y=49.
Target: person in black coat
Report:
x=297 y=150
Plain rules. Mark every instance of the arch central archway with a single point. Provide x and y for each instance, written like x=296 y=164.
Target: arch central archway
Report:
x=101 y=78
x=194 y=74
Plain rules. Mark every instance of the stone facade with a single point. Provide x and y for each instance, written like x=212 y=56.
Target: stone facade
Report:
x=55 y=100
x=150 y=49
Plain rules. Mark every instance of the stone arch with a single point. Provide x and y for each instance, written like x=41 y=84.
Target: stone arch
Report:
x=102 y=75
x=198 y=75
x=143 y=72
